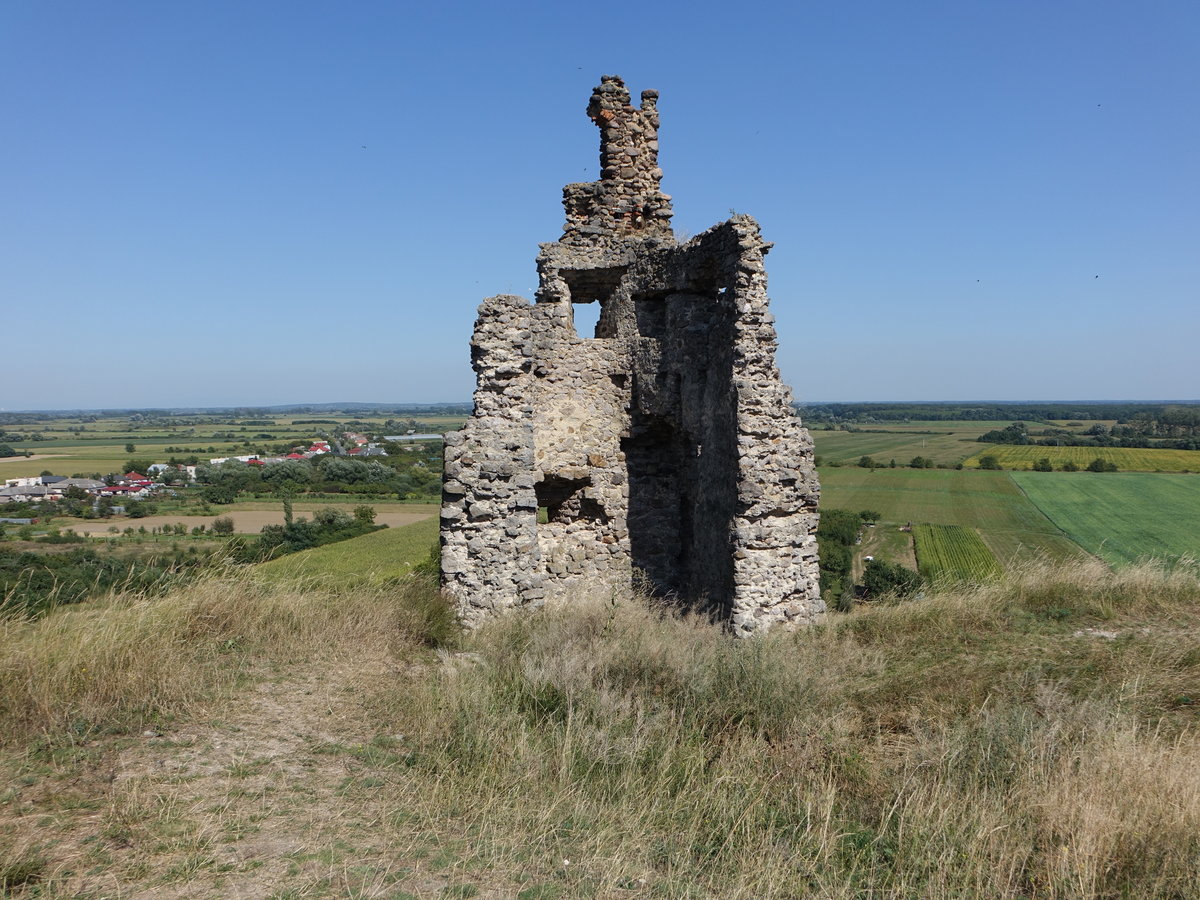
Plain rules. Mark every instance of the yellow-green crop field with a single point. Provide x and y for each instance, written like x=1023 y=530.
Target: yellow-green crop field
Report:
x=1126 y=459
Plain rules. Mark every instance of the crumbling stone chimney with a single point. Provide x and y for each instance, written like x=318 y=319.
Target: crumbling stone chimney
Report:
x=663 y=449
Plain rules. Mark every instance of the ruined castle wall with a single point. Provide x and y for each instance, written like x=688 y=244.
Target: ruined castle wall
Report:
x=774 y=532
x=577 y=414
x=489 y=505
x=627 y=199
x=664 y=444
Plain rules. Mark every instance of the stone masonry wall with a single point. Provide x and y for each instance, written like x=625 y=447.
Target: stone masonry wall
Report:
x=665 y=444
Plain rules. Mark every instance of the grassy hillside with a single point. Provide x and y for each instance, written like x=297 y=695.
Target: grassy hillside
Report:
x=1036 y=737
x=1121 y=517
x=390 y=553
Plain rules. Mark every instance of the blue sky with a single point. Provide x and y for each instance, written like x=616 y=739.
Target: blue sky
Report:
x=272 y=202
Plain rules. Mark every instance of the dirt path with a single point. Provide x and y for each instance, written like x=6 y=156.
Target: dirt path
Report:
x=886 y=542
x=270 y=797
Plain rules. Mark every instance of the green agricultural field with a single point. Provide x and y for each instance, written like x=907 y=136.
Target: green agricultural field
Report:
x=1127 y=459
x=373 y=557
x=954 y=553
x=966 y=427
x=847 y=447
x=1079 y=424
x=60 y=462
x=989 y=502
x=1121 y=517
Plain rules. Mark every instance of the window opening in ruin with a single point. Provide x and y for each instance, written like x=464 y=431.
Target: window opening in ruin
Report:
x=562 y=501
x=599 y=286
x=587 y=319
x=587 y=285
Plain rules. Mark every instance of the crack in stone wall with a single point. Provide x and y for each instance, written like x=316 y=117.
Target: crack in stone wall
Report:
x=664 y=448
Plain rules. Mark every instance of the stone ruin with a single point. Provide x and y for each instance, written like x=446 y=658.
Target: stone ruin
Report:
x=663 y=450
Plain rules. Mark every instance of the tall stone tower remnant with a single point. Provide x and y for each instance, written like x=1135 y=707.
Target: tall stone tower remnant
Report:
x=664 y=449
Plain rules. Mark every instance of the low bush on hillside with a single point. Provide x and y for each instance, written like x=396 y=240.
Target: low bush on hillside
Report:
x=33 y=583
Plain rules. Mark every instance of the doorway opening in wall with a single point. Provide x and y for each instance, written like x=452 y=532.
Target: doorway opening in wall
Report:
x=587 y=317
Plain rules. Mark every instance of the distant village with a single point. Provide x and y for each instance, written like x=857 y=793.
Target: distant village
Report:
x=142 y=486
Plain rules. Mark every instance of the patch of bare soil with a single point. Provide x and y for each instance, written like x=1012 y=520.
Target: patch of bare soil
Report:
x=271 y=794
x=886 y=542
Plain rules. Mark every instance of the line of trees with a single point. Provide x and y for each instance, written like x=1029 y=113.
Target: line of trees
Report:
x=409 y=476
x=1152 y=419
x=1143 y=434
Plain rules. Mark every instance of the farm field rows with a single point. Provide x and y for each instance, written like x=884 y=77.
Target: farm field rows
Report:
x=953 y=552
x=989 y=502
x=1121 y=517
x=1127 y=459
x=968 y=427
x=945 y=442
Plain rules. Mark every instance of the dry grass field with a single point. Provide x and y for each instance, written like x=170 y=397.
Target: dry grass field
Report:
x=1034 y=737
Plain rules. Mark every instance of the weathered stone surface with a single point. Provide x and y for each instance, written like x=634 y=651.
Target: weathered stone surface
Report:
x=664 y=444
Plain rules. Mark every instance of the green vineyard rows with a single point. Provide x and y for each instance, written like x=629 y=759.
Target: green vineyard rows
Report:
x=953 y=552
